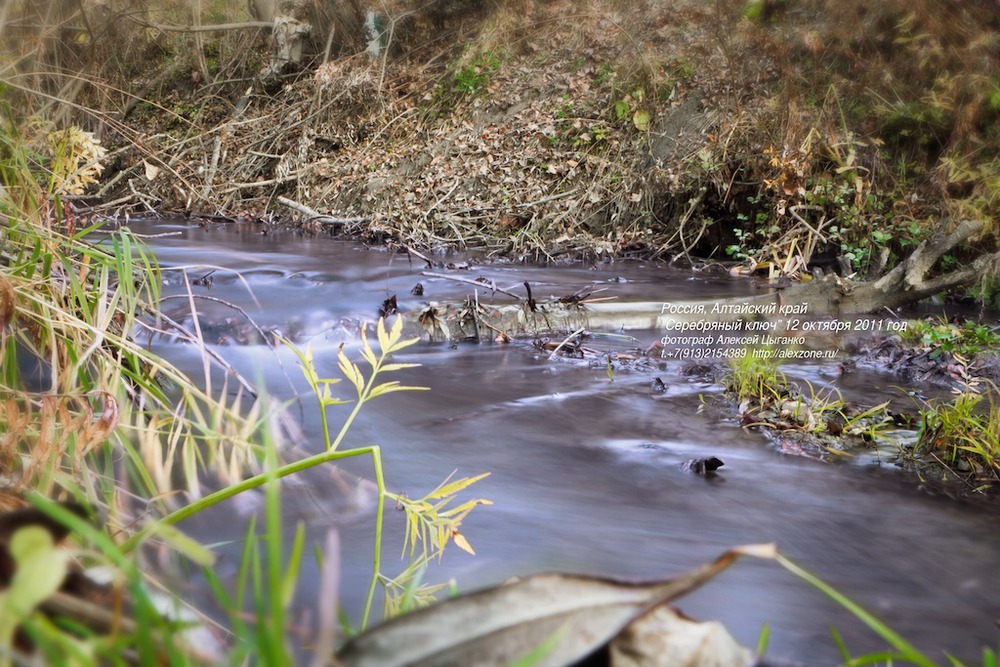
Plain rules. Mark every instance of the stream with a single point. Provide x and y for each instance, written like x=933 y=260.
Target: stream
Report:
x=585 y=471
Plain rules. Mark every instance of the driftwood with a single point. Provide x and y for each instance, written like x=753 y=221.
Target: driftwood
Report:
x=906 y=283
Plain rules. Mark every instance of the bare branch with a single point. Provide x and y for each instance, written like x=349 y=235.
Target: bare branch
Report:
x=248 y=25
x=316 y=216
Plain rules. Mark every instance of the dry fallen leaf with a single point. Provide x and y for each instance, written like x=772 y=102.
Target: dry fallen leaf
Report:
x=568 y=615
x=665 y=638
x=152 y=171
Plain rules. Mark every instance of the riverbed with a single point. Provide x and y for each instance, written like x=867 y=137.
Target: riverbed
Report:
x=585 y=468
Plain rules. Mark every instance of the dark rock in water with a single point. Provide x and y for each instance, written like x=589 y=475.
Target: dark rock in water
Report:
x=705 y=466
x=418 y=289
x=658 y=386
x=388 y=307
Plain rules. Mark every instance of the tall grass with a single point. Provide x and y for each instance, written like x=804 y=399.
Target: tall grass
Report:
x=72 y=297
x=963 y=432
x=757 y=379
x=83 y=410
x=88 y=414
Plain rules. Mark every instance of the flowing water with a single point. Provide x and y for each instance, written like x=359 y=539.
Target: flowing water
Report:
x=585 y=472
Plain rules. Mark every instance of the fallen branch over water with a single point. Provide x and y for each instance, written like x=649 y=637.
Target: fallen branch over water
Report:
x=321 y=218
x=907 y=283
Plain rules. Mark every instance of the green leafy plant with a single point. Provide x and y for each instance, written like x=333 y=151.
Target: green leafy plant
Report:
x=40 y=568
x=745 y=246
x=71 y=303
x=144 y=636
x=967 y=339
x=755 y=378
x=759 y=235
x=431 y=526
x=472 y=78
x=963 y=428
x=116 y=416
x=632 y=106
x=903 y=650
x=768 y=398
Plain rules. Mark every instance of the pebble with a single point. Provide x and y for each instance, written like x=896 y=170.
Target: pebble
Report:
x=703 y=466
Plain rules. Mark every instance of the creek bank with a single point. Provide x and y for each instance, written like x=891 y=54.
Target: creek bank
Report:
x=941 y=443
x=554 y=129
x=819 y=424
x=918 y=364
x=654 y=129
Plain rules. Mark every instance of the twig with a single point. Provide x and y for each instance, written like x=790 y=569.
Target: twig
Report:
x=481 y=319
x=168 y=27
x=439 y=201
x=239 y=276
x=205 y=297
x=316 y=216
x=818 y=230
x=484 y=282
x=206 y=189
x=679 y=234
x=140 y=196
x=544 y=200
x=565 y=341
x=141 y=236
x=410 y=250
x=207 y=350
x=388 y=125
x=110 y=183
x=256 y=184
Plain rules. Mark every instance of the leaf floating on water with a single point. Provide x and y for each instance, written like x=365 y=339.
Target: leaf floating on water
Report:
x=499 y=626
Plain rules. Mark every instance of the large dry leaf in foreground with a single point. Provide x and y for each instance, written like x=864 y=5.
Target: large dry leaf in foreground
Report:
x=498 y=626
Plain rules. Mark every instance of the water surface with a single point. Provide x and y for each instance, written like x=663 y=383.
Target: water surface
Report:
x=585 y=471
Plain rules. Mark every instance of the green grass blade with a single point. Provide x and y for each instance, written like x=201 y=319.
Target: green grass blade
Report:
x=762 y=640
x=539 y=653
x=906 y=650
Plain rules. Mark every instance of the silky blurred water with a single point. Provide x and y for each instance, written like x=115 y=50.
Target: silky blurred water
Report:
x=585 y=471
